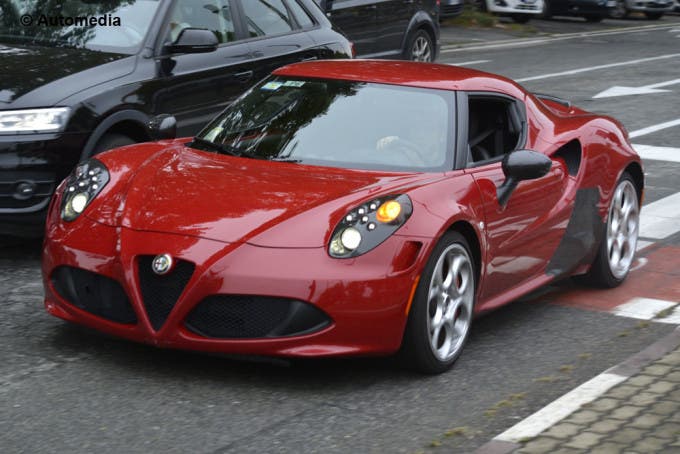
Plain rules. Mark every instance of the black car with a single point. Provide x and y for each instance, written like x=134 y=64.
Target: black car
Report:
x=407 y=29
x=78 y=77
x=590 y=10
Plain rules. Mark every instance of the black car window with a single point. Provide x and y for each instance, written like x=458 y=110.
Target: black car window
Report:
x=494 y=129
x=213 y=15
x=302 y=16
x=267 y=17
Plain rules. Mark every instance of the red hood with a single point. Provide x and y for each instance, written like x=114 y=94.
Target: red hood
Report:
x=236 y=199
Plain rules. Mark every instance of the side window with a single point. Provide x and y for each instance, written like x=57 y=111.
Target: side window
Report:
x=267 y=17
x=214 y=15
x=495 y=128
x=303 y=18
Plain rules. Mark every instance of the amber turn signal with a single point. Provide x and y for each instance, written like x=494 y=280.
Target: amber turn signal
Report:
x=388 y=211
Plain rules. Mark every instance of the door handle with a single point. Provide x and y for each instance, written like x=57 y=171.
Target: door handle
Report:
x=244 y=76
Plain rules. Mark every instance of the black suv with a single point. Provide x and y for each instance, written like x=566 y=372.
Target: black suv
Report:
x=80 y=77
x=407 y=29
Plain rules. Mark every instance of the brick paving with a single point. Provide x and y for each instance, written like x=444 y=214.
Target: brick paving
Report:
x=640 y=415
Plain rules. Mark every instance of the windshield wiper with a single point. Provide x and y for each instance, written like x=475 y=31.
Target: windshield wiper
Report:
x=220 y=148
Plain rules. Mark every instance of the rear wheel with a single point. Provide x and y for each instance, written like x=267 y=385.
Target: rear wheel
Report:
x=619 y=11
x=420 y=47
x=617 y=250
x=441 y=314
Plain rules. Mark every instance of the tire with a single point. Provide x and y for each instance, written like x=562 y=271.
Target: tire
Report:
x=609 y=270
x=653 y=16
x=110 y=141
x=594 y=18
x=420 y=47
x=441 y=313
x=619 y=11
x=547 y=10
x=521 y=18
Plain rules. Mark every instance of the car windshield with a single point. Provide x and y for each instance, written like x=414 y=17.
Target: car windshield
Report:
x=338 y=123
x=107 y=25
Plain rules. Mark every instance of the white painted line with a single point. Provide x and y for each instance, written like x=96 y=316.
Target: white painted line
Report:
x=535 y=41
x=642 y=308
x=644 y=90
x=658 y=153
x=559 y=409
x=595 y=68
x=467 y=63
x=661 y=219
x=654 y=128
x=672 y=318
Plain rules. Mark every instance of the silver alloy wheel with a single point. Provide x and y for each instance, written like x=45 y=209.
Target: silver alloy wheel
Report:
x=622 y=228
x=449 y=303
x=420 y=50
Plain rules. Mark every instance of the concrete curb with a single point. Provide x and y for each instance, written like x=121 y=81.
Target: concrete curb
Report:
x=626 y=370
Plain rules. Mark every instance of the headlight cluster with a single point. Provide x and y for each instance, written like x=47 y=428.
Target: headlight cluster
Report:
x=83 y=185
x=33 y=120
x=368 y=225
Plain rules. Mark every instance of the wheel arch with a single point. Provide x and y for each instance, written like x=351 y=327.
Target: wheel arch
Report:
x=131 y=123
x=634 y=169
x=470 y=235
x=421 y=21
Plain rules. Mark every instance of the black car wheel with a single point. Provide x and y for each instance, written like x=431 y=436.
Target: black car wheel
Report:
x=441 y=313
x=420 y=47
x=653 y=16
x=619 y=11
x=547 y=10
x=617 y=249
x=111 y=141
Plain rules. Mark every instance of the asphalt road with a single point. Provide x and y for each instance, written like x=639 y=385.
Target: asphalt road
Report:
x=66 y=389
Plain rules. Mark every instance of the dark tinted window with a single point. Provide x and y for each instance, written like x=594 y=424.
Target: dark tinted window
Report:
x=339 y=123
x=214 y=15
x=267 y=17
x=303 y=18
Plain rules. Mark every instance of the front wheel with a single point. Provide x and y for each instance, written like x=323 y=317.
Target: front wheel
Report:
x=617 y=249
x=420 y=47
x=442 y=309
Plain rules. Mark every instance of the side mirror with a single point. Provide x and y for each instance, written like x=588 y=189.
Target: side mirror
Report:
x=193 y=41
x=162 y=127
x=521 y=165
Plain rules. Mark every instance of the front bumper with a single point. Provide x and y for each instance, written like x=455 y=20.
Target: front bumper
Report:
x=364 y=299
x=31 y=167
x=515 y=6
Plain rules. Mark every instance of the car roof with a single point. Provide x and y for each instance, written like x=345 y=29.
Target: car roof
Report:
x=408 y=73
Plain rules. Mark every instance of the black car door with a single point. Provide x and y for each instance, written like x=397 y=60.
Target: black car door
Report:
x=393 y=17
x=195 y=87
x=358 y=20
x=275 y=32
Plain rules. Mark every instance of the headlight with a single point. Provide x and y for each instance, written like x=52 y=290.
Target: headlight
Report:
x=83 y=185
x=33 y=120
x=368 y=225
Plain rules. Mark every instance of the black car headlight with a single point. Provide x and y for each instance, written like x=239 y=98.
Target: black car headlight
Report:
x=368 y=225
x=82 y=186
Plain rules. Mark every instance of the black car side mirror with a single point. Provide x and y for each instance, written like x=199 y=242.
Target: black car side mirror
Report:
x=193 y=41
x=162 y=127
x=521 y=165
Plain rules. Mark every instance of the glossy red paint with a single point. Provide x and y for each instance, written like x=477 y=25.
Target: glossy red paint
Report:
x=262 y=228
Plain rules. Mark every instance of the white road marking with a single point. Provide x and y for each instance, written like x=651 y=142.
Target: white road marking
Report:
x=536 y=41
x=467 y=63
x=644 y=90
x=658 y=153
x=643 y=308
x=559 y=409
x=654 y=128
x=595 y=68
x=661 y=219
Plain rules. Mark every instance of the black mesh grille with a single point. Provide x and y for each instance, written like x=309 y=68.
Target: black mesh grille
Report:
x=250 y=316
x=93 y=293
x=160 y=292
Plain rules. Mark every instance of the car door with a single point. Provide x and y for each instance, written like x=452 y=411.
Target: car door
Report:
x=358 y=20
x=393 y=17
x=195 y=87
x=523 y=234
x=276 y=34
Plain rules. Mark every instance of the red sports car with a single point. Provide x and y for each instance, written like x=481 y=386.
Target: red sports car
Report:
x=345 y=208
